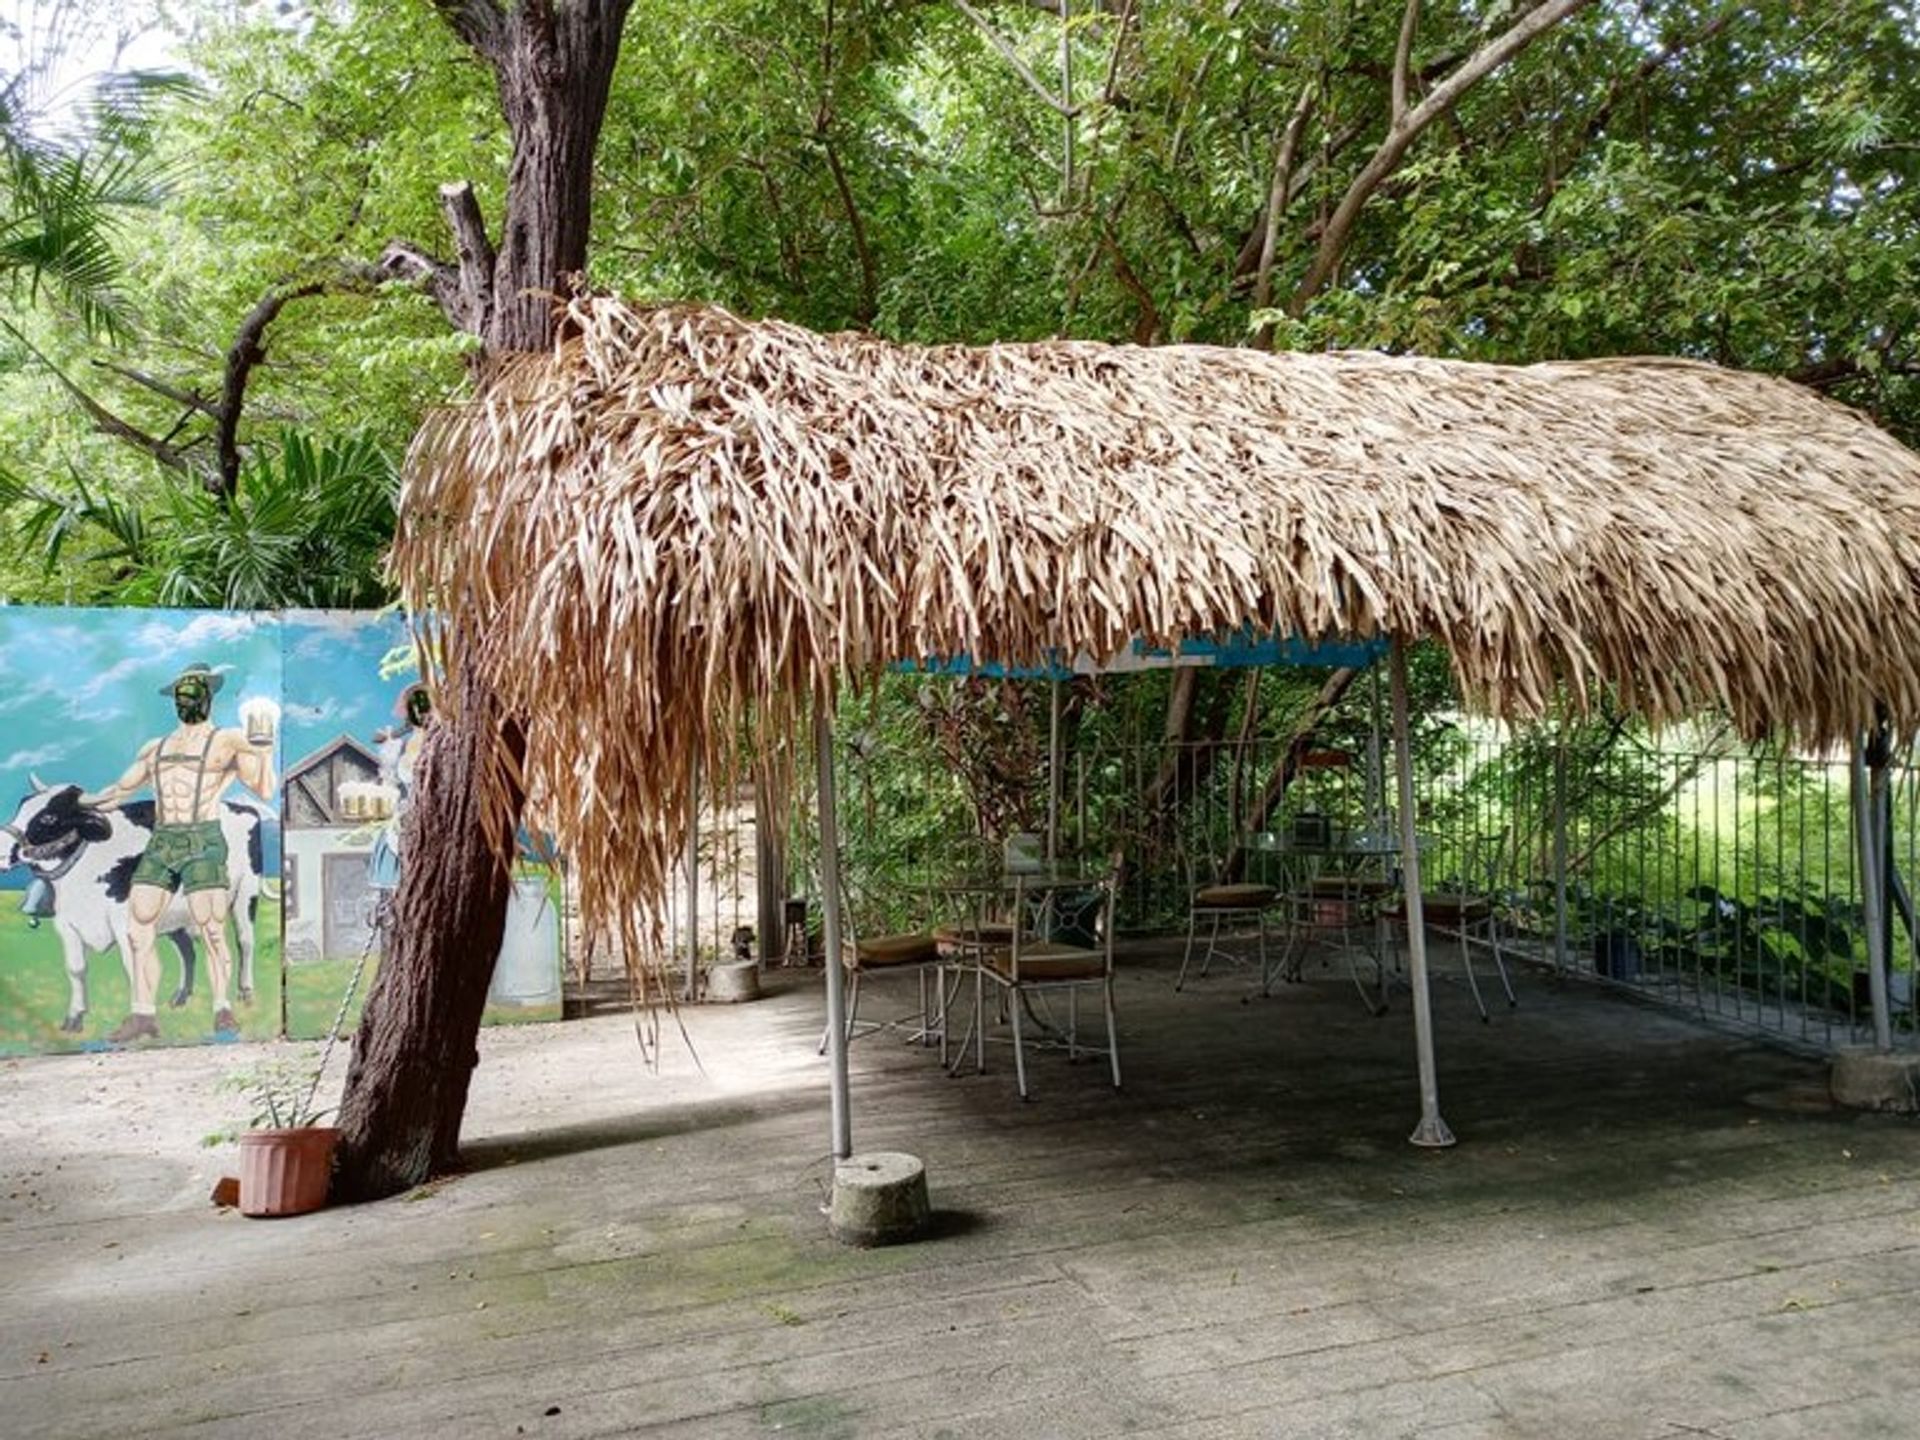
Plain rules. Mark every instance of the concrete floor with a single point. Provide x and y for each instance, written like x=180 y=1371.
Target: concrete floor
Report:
x=1647 y=1229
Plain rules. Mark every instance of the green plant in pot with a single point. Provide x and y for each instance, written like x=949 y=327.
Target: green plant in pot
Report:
x=286 y=1154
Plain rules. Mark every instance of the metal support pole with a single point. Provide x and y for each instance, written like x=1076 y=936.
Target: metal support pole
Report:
x=1376 y=760
x=830 y=926
x=1053 y=775
x=689 y=990
x=1432 y=1131
x=1560 y=844
x=1868 y=785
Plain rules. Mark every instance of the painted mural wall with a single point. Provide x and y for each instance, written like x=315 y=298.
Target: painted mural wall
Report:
x=354 y=719
x=202 y=820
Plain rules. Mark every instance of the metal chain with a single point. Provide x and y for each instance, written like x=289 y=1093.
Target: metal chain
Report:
x=382 y=920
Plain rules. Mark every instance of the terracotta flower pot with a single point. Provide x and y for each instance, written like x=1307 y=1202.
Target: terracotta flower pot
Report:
x=286 y=1172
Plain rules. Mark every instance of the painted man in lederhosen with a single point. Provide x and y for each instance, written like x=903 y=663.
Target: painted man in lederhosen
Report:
x=189 y=771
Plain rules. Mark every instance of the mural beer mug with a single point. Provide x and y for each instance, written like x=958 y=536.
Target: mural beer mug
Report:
x=260 y=717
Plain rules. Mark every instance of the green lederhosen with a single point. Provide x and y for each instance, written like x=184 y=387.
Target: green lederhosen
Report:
x=184 y=857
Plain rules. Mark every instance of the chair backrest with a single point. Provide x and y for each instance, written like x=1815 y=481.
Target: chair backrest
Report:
x=852 y=896
x=1108 y=888
x=1201 y=864
x=1485 y=861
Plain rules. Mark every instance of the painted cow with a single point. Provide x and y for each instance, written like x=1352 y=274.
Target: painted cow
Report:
x=85 y=859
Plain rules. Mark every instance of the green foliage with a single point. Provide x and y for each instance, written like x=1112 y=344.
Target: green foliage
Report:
x=63 y=199
x=308 y=528
x=279 y=1094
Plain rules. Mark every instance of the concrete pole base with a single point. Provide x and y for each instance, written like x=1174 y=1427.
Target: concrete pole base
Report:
x=879 y=1199
x=734 y=981
x=1868 y=1079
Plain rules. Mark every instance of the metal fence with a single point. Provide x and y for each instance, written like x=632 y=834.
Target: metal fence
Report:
x=1688 y=868
x=1716 y=877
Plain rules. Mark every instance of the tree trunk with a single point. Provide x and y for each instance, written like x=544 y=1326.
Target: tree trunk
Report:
x=554 y=81
x=414 y=1055
x=1197 y=713
x=769 y=861
x=1301 y=741
x=417 y=1045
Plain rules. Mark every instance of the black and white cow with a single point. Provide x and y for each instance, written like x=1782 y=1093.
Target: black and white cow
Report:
x=86 y=858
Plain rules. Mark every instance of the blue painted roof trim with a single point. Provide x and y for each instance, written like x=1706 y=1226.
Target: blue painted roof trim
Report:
x=964 y=664
x=1238 y=650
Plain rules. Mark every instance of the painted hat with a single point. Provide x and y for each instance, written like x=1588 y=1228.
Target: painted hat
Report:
x=201 y=671
x=405 y=698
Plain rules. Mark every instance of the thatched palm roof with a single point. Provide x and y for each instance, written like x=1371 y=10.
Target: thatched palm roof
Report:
x=681 y=517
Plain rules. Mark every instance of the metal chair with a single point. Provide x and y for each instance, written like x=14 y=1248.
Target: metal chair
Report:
x=916 y=951
x=1469 y=912
x=1030 y=968
x=1341 y=906
x=1218 y=899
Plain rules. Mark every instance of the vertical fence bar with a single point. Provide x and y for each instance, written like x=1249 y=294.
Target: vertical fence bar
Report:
x=692 y=862
x=1053 y=771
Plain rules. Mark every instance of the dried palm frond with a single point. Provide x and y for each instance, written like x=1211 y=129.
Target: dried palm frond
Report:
x=679 y=518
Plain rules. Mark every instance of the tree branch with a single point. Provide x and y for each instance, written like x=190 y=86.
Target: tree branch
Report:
x=1248 y=260
x=1827 y=374
x=1149 y=328
x=1056 y=7
x=480 y=24
x=1277 y=193
x=1012 y=57
x=1402 y=58
x=1109 y=91
x=1400 y=137
x=869 y=273
x=406 y=261
x=1291 y=760
x=474 y=252
x=1177 y=146
x=1617 y=88
x=249 y=348
x=104 y=420
x=189 y=399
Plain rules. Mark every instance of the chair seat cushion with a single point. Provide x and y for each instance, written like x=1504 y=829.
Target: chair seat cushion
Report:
x=879 y=951
x=963 y=937
x=1048 y=961
x=1234 y=897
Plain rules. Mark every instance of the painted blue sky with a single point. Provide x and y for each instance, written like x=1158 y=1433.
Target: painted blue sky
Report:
x=80 y=689
x=333 y=684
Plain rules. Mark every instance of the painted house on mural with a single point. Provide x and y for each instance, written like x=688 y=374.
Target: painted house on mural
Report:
x=332 y=805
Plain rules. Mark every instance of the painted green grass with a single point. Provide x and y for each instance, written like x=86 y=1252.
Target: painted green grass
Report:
x=33 y=991
x=314 y=989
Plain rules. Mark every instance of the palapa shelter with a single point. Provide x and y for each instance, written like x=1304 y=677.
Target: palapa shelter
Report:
x=679 y=518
